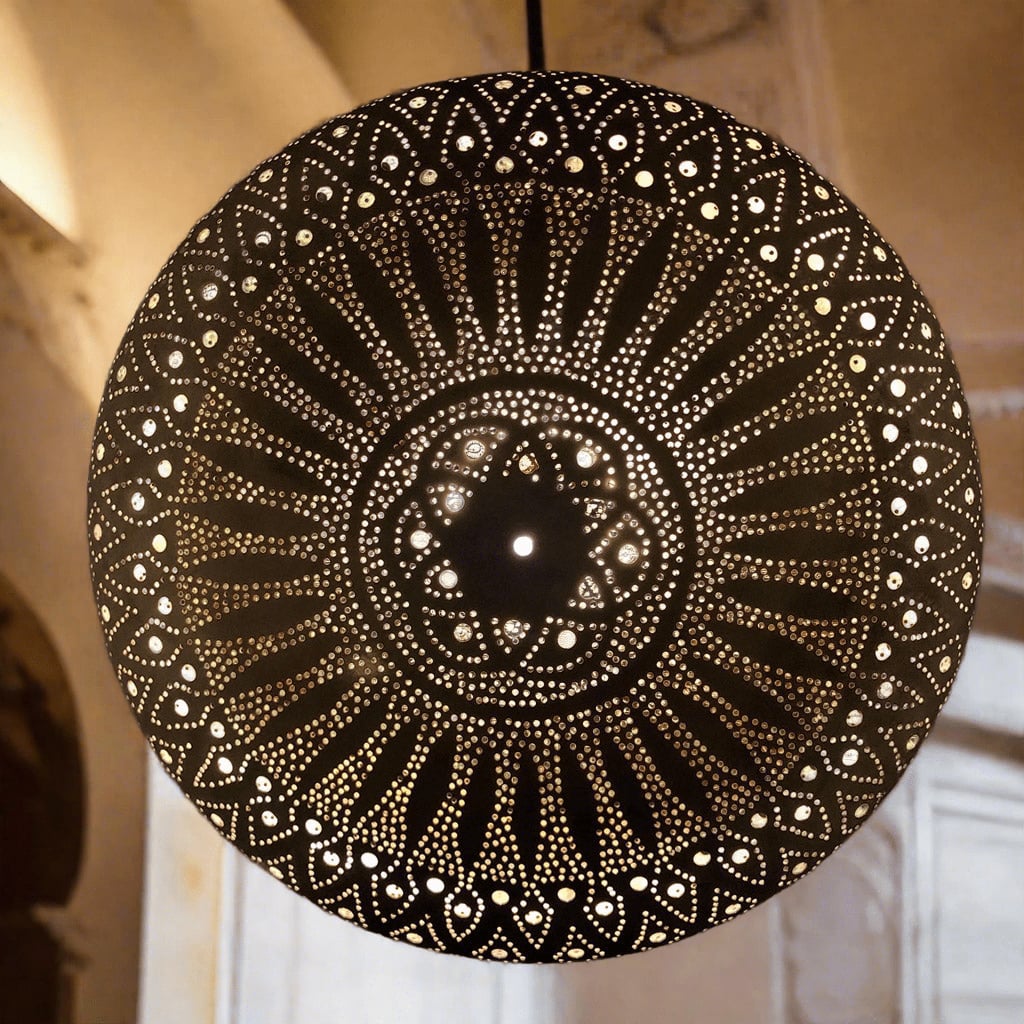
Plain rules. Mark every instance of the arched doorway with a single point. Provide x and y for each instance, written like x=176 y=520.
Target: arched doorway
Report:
x=41 y=808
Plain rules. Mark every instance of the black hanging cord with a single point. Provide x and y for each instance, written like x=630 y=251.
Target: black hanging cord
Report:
x=535 y=34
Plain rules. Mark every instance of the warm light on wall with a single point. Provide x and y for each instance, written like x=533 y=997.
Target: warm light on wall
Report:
x=32 y=159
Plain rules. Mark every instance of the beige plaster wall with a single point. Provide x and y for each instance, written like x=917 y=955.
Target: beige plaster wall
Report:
x=46 y=429
x=930 y=102
x=161 y=107
x=929 y=98
x=157 y=108
x=33 y=163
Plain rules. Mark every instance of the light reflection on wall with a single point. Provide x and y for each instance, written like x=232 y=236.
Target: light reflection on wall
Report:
x=32 y=158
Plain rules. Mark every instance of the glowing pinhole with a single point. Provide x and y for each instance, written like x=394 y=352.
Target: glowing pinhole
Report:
x=522 y=545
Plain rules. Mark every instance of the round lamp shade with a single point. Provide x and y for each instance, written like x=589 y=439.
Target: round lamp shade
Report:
x=536 y=517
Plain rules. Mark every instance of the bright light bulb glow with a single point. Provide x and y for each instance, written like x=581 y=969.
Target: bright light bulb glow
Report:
x=522 y=545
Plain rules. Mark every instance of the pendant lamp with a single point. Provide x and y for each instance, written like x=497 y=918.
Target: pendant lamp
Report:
x=535 y=516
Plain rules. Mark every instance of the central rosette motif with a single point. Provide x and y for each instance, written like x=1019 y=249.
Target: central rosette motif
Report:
x=523 y=546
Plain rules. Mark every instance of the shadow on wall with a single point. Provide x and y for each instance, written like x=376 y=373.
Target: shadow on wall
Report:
x=41 y=807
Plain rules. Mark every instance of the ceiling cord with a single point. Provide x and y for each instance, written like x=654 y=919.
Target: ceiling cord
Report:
x=535 y=35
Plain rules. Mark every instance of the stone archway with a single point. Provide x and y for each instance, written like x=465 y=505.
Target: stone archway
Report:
x=46 y=424
x=42 y=810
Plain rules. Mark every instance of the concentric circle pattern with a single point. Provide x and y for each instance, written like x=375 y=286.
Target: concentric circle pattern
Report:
x=535 y=516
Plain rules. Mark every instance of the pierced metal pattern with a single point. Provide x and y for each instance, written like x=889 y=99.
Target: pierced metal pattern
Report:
x=535 y=516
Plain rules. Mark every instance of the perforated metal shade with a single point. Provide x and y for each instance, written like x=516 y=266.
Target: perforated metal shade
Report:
x=535 y=516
